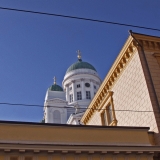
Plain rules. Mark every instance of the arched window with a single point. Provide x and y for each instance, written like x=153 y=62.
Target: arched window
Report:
x=56 y=116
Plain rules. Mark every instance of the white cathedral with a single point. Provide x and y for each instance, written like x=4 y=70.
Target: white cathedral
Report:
x=67 y=105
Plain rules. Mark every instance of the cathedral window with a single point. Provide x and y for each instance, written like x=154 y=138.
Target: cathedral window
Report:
x=78 y=86
x=71 y=97
x=106 y=116
x=79 y=96
x=95 y=87
x=87 y=84
x=109 y=112
x=88 y=95
x=56 y=116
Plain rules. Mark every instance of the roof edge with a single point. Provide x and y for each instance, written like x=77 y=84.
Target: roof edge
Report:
x=67 y=125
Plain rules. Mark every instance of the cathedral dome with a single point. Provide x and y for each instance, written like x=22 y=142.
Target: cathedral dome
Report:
x=80 y=65
x=55 y=87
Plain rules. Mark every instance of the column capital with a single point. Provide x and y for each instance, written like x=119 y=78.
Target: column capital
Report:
x=82 y=79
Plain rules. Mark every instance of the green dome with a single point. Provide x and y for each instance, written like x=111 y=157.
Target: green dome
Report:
x=55 y=87
x=79 y=65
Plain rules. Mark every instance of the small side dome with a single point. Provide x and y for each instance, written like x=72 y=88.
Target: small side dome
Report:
x=55 y=87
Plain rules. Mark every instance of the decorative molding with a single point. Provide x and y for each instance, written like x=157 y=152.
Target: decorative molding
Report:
x=156 y=54
x=56 y=100
x=150 y=45
x=78 y=74
x=83 y=79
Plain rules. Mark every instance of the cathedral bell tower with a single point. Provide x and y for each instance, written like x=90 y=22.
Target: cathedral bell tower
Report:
x=54 y=105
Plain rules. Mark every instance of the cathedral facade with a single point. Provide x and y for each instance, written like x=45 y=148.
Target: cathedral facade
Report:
x=67 y=104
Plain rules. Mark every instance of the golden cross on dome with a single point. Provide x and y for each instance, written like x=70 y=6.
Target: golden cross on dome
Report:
x=54 y=80
x=79 y=54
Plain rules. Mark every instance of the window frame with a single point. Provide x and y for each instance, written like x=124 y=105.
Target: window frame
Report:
x=79 y=95
x=87 y=85
x=88 y=95
x=108 y=110
x=71 y=98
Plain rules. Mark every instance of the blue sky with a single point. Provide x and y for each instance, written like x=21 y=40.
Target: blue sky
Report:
x=35 y=48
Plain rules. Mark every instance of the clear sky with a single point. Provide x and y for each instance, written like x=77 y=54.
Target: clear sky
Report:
x=35 y=48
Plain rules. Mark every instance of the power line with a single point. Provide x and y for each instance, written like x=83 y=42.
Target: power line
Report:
x=35 y=105
x=79 y=18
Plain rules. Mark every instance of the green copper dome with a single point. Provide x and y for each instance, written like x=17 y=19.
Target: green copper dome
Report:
x=79 y=65
x=55 y=87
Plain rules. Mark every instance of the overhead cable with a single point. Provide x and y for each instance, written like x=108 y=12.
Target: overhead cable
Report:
x=69 y=107
x=79 y=18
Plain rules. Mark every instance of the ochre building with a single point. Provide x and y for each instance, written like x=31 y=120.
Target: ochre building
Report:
x=130 y=92
x=44 y=141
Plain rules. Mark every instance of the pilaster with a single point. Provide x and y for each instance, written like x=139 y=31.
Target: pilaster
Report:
x=67 y=93
x=92 y=89
x=73 y=89
x=83 y=89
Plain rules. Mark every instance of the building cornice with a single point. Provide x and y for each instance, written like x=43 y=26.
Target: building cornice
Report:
x=149 y=43
x=18 y=123
x=64 y=81
x=107 y=149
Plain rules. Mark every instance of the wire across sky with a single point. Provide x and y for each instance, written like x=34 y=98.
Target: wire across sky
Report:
x=36 y=105
x=79 y=18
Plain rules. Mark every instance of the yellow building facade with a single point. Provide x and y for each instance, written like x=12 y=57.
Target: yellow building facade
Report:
x=35 y=141
x=130 y=92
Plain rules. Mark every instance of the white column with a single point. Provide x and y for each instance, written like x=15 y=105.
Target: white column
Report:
x=67 y=93
x=92 y=89
x=83 y=89
x=47 y=115
x=73 y=89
